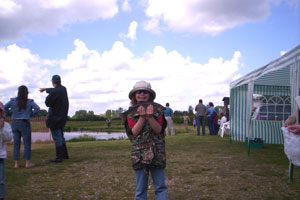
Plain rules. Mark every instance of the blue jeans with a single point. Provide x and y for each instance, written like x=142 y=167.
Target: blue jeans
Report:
x=58 y=136
x=2 y=178
x=200 y=121
x=158 y=177
x=22 y=129
x=211 y=126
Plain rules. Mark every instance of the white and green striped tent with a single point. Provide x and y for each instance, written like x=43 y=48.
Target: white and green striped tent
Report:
x=278 y=78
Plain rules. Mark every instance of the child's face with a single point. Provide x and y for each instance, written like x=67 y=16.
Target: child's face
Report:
x=142 y=96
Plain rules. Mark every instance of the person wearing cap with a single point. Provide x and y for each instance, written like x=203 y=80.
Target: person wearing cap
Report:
x=58 y=104
x=21 y=109
x=5 y=136
x=168 y=116
x=146 y=133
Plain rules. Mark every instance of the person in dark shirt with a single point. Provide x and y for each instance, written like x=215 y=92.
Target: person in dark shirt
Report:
x=58 y=104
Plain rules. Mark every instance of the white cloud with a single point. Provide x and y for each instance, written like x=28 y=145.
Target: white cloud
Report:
x=131 y=31
x=105 y=79
x=206 y=16
x=36 y=16
x=102 y=80
x=19 y=66
x=282 y=53
x=126 y=6
x=8 y=8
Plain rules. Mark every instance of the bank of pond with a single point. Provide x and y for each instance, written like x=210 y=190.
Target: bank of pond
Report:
x=75 y=136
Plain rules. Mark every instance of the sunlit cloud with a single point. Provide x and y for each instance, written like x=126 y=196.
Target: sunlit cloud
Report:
x=102 y=80
x=131 y=31
x=34 y=16
x=126 y=6
x=206 y=17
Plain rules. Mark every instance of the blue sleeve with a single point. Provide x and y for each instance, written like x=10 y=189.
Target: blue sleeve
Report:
x=34 y=107
x=7 y=108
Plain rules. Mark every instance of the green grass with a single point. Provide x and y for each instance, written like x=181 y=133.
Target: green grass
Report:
x=197 y=168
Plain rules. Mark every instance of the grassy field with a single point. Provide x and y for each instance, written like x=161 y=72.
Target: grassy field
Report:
x=197 y=168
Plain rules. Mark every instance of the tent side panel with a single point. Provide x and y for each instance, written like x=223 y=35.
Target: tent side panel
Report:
x=295 y=82
x=272 y=90
x=238 y=110
x=269 y=131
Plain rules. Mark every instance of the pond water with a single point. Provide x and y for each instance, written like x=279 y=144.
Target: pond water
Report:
x=46 y=136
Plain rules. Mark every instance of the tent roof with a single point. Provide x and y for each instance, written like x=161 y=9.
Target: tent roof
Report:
x=276 y=72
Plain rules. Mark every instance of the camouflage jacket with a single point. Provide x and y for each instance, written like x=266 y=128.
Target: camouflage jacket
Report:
x=148 y=148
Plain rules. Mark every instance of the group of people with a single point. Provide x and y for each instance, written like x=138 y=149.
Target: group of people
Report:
x=201 y=112
x=20 y=109
x=212 y=118
x=145 y=130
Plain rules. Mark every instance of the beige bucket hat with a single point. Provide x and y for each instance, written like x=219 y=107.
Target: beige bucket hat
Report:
x=142 y=85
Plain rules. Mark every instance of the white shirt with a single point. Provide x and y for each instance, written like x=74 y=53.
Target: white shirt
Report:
x=5 y=136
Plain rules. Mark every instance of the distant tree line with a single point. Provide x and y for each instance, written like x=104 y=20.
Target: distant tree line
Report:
x=41 y=113
x=84 y=115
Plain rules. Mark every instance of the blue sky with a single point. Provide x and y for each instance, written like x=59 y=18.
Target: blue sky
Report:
x=186 y=49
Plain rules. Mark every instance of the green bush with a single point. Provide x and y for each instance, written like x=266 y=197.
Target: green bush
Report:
x=177 y=119
x=84 y=138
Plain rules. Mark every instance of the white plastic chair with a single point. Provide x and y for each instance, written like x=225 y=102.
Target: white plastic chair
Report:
x=225 y=127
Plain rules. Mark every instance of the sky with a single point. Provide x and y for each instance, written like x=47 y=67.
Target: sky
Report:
x=187 y=49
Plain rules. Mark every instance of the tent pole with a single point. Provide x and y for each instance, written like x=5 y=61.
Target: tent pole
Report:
x=249 y=112
x=291 y=169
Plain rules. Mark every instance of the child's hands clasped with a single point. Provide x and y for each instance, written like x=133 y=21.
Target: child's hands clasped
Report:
x=149 y=111
x=145 y=113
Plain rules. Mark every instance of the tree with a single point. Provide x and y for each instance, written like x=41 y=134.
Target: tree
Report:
x=114 y=114
x=120 y=110
x=191 y=110
x=219 y=109
x=80 y=115
x=42 y=112
x=108 y=114
x=90 y=116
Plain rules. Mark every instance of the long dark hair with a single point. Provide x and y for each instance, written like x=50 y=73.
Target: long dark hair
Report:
x=22 y=97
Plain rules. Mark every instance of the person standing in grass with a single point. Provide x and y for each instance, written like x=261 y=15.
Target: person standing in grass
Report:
x=194 y=122
x=5 y=136
x=186 y=120
x=146 y=133
x=211 y=114
x=58 y=104
x=168 y=116
x=21 y=109
x=200 y=117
